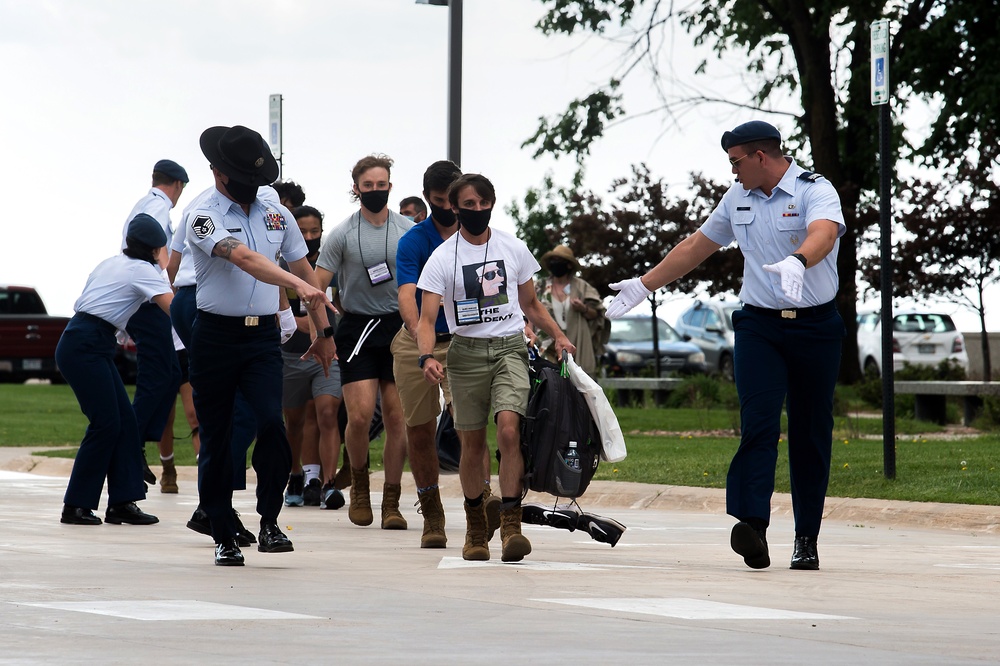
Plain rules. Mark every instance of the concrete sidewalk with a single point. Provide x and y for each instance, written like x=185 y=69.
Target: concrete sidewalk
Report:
x=901 y=583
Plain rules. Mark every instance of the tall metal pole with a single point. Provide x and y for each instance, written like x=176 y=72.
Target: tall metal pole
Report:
x=455 y=81
x=888 y=370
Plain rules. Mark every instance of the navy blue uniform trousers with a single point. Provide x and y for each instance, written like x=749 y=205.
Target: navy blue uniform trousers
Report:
x=183 y=310
x=775 y=359
x=227 y=357
x=158 y=373
x=85 y=355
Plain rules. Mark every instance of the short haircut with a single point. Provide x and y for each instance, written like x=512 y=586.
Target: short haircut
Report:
x=478 y=182
x=160 y=178
x=439 y=176
x=289 y=189
x=416 y=202
x=307 y=211
x=370 y=162
x=770 y=147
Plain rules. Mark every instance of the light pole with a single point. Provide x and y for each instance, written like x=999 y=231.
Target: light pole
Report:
x=454 y=76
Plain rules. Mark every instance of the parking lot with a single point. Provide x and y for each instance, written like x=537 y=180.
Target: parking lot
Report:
x=900 y=583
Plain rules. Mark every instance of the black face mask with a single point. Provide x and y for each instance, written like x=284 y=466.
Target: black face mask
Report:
x=474 y=221
x=375 y=200
x=443 y=216
x=558 y=268
x=240 y=193
x=313 y=245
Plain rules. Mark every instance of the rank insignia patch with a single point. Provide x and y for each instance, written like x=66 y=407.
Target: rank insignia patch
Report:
x=203 y=226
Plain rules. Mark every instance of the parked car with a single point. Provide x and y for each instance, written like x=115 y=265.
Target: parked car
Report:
x=630 y=349
x=919 y=337
x=709 y=324
x=28 y=336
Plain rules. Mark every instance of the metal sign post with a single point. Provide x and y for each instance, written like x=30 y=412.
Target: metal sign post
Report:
x=880 y=98
x=274 y=129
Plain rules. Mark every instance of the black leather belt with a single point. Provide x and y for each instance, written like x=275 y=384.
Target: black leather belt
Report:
x=793 y=313
x=250 y=321
x=443 y=337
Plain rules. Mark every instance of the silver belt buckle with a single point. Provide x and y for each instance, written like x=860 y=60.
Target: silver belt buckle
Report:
x=788 y=314
x=251 y=321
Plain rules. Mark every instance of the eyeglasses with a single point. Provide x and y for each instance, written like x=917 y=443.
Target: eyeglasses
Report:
x=733 y=162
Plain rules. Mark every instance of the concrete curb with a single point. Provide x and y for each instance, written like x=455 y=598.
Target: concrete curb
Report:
x=629 y=495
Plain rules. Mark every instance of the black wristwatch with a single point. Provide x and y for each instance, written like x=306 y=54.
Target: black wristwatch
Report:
x=424 y=357
x=326 y=332
x=800 y=258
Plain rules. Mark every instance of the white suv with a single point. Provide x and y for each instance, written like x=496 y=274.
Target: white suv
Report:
x=919 y=337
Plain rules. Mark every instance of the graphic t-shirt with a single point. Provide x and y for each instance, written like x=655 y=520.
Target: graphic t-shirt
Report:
x=478 y=283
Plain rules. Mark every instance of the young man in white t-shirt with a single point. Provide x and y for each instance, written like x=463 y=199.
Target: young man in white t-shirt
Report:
x=483 y=279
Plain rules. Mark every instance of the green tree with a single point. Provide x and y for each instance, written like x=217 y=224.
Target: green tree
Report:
x=943 y=52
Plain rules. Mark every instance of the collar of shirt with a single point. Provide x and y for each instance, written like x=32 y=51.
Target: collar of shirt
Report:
x=787 y=184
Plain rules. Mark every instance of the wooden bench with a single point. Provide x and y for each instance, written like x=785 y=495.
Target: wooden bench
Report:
x=628 y=387
x=930 y=397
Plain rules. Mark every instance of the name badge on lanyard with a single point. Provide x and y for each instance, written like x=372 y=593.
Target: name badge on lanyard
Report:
x=467 y=312
x=379 y=273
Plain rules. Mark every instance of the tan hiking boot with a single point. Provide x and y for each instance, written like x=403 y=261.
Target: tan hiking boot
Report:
x=430 y=507
x=360 y=510
x=476 y=548
x=168 y=479
x=515 y=544
x=491 y=504
x=392 y=519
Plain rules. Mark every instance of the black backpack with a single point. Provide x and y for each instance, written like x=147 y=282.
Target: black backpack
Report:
x=557 y=415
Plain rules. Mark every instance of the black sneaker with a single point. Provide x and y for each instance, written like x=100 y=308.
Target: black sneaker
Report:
x=332 y=498
x=293 y=493
x=312 y=493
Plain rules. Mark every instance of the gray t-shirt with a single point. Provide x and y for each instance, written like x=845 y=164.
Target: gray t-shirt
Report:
x=355 y=251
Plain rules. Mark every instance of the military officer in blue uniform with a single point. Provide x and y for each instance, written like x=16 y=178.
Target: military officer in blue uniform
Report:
x=158 y=372
x=787 y=223
x=236 y=239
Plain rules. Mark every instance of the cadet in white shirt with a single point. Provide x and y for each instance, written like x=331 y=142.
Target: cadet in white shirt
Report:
x=85 y=354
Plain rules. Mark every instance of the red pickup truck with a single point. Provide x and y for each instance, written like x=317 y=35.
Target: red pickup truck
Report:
x=28 y=336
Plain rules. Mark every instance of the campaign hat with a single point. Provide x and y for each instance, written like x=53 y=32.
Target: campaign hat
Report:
x=240 y=153
x=755 y=130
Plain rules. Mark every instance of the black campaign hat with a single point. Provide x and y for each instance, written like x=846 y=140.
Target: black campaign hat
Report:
x=240 y=153
x=145 y=229
x=755 y=130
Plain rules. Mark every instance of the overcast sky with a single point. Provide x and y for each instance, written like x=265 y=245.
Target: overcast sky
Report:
x=97 y=91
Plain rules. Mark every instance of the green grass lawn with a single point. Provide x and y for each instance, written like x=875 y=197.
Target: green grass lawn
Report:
x=687 y=447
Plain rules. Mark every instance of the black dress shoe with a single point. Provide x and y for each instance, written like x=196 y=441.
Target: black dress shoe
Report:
x=147 y=474
x=129 y=513
x=804 y=556
x=272 y=540
x=201 y=524
x=243 y=536
x=751 y=543
x=228 y=554
x=74 y=515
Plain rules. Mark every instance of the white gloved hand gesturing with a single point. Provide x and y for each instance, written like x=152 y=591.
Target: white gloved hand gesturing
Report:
x=287 y=321
x=630 y=294
x=792 y=273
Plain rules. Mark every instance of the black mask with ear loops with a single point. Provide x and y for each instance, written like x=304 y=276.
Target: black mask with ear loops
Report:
x=474 y=221
x=375 y=200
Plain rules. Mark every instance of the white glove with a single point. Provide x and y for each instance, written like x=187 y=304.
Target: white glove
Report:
x=792 y=272
x=287 y=321
x=630 y=294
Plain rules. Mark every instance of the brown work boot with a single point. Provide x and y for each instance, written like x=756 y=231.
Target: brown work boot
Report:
x=392 y=519
x=343 y=477
x=515 y=544
x=430 y=507
x=476 y=548
x=168 y=479
x=491 y=504
x=360 y=510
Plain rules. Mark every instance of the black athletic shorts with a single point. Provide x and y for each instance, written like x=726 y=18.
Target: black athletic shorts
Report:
x=363 y=346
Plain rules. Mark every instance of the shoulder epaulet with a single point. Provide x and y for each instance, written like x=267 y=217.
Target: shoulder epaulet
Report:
x=811 y=176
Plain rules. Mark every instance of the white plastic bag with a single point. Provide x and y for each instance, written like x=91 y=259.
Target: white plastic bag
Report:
x=612 y=439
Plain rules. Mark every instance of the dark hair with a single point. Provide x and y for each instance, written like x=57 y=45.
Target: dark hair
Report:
x=478 y=182
x=289 y=189
x=136 y=250
x=160 y=178
x=416 y=202
x=439 y=176
x=770 y=147
x=307 y=211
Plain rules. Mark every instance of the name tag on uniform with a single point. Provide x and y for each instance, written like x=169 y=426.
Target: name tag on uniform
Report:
x=379 y=273
x=467 y=312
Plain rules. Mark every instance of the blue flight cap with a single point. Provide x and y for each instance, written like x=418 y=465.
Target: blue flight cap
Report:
x=172 y=169
x=145 y=229
x=755 y=130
